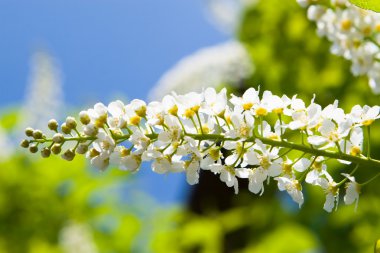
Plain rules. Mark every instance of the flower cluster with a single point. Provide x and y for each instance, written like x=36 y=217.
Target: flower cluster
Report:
x=354 y=32
x=245 y=137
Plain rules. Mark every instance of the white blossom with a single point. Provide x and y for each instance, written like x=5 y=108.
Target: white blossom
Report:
x=354 y=33
x=242 y=137
x=227 y=63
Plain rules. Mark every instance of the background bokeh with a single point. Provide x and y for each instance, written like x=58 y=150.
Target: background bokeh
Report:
x=60 y=57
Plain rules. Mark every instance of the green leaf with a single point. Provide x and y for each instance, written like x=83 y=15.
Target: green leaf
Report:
x=377 y=246
x=373 y=5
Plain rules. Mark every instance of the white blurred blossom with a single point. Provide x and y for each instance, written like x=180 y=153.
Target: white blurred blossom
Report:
x=226 y=14
x=353 y=32
x=44 y=96
x=77 y=238
x=226 y=63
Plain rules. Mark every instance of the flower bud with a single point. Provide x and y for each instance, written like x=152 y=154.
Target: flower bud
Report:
x=84 y=118
x=68 y=155
x=56 y=149
x=58 y=138
x=29 y=131
x=45 y=152
x=24 y=144
x=90 y=130
x=82 y=149
x=65 y=129
x=33 y=148
x=53 y=125
x=71 y=122
x=37 y=134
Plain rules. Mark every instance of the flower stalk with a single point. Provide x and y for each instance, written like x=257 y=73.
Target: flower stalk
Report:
x=233 y=138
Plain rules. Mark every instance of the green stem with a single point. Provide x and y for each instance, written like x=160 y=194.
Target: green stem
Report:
x=295 y=146
x=368 y=142
x=219 y=137
x=369 y=181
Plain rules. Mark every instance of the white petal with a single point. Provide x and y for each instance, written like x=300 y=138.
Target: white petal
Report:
x=316 y=140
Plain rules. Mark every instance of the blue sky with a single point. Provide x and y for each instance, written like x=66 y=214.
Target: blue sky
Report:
x=105 y=49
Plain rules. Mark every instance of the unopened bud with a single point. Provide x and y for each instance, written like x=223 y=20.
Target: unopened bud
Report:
x=29 y=131
x=56 y=149
x=53 y=125
x=68 y=155
x=33 y=149
x=82 y=149
x=90 y=130
x=24 y=144
x=71 y=122
x=45 y=152
x=37 y=134
x=84 y=118
x=58 y=138
x=65 y=129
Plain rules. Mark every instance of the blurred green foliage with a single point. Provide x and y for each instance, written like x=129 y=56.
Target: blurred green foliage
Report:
x=372 y=5
x=51 y=205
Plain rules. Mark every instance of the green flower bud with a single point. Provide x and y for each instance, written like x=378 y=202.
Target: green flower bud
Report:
x=58 y=138
x=45 y=152
x=37 y=134
x=29 y=131
x=68 y=155
x=24 y=144
x=53 y=125
x=82 y=149
x=56 y=149
x=33 y=148
x=71 y=122
x=65 y=129
x=84 y=118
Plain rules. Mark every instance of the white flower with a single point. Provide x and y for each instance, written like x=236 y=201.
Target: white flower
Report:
x=163 y=163
x=293 y=187
x=269 y=165
x=305 y=119
x=188 y=104
x=332 y=191
x=125 y=159
x=365 y=115
x=155 y=113
x=243 y=125
x=98 y=114
x=215 y=103
x=352 y=191
x=268 y=133
x=332 y=111
x=118 y=117
x=315 y=12
x=330 y=133
x=318 y=168
x=354 y=145
x=247 y=101
x=173 y=133
x=228 y=175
